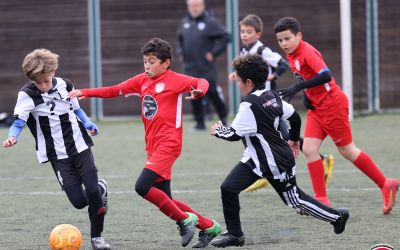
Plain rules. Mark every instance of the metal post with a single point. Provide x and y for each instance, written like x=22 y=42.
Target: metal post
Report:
x=347 y=66
x=232 y=18
x=373 y=55
x=96 y=104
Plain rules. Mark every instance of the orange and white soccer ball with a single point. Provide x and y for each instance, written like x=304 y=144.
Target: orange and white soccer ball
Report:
x=65 y=237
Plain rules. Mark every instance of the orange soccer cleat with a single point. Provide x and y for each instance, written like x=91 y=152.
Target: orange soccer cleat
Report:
x=389 y=194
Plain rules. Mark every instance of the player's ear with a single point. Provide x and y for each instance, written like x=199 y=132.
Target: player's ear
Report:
x=250 y=83
x=299 y=35
x=167 y=63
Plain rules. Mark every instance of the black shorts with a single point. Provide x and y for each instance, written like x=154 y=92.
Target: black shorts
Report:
x=69 y=171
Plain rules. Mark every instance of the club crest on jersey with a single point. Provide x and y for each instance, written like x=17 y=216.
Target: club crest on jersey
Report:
x=201 y=26
x=149 y=107
x=160 y=87
x=297 y=65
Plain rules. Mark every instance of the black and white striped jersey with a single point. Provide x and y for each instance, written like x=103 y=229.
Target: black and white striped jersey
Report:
x=51 y=119
x=257 y=124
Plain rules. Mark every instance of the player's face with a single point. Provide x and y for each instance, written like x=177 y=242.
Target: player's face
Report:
x=44 y=82
x=153 y=66
x=248 y=34
x=195 y=7
x=288 y=41
x=245 y=87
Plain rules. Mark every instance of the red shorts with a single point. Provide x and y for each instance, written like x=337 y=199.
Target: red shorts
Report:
x=161 y=163
x=331 y=120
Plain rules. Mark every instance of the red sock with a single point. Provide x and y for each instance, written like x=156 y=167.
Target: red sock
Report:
x=317 y=175
x=165 y=204
x=365 y=163
x=203 y=223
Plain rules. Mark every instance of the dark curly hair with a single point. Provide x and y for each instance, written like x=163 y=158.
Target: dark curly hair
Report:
x=159 y=47
x=287 y=23
x=253 y=67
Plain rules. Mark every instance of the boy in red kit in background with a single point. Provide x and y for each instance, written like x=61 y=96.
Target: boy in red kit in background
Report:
x=327 y=114
x=161 y=90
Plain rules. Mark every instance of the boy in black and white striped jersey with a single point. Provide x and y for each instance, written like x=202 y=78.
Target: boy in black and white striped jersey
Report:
x=266 y=153
x=60 y=137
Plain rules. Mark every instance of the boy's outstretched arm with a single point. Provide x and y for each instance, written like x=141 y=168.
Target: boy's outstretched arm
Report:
x=199 y=90
x=321 y=78
x=226 y=133
x=87 y=123
x=14 y=132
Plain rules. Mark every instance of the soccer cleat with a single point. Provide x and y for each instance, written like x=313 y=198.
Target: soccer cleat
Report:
x=340 y=224
x=99 y=243
x=389 y=194
x=260 y=183
x=104 y=194
x=329 y=162
x=227 y=239
x=207 y=235
x=187 y=227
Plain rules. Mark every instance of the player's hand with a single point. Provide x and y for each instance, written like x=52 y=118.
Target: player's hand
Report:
x=215 y=127
x=9 y=142
x=194 y=94
x=289 y=92
x=271 y=77
x=76 y=93
x=295 y=146
x=209 y=57
x=232 y=76
x=92 y=127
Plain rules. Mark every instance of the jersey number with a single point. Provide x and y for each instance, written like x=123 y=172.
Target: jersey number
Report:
x=53 y=105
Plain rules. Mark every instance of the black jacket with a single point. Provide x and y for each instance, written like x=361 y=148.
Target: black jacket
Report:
x=196 y=37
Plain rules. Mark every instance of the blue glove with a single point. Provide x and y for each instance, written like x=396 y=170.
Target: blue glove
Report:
x=91 y=126
x=87 y=123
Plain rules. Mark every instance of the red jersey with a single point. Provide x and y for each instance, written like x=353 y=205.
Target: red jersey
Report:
x=161 y=100
x=306 y=62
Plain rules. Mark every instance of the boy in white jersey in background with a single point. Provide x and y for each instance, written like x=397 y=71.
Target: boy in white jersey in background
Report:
x=251 y=28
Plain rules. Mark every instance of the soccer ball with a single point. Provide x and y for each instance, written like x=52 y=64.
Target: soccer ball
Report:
x=65 y=237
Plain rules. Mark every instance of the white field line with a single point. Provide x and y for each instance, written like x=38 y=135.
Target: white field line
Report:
x=185 y=174
x=216 y=190
x=189 y=191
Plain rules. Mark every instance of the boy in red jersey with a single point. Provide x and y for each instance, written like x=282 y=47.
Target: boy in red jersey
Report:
x=327 y=114
x=161 y=90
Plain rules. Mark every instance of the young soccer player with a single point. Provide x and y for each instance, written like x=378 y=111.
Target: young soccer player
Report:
x=266 y=154
x=251 y=28
x=328 y=113
x=161 y=91
x=60 y=137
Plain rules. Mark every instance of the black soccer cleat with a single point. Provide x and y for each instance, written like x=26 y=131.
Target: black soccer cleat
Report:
x=227 y=240
x=340 y=224
x=205 y=236
x=187 y=227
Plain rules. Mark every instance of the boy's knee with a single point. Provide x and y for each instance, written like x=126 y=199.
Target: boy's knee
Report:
x=226 y=188
x=141 y=190
x=79 y=203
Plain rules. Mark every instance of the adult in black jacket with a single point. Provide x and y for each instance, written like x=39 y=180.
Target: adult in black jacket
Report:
x=200 y=39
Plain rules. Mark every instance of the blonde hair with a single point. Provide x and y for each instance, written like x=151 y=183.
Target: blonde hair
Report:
x=39 y=62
